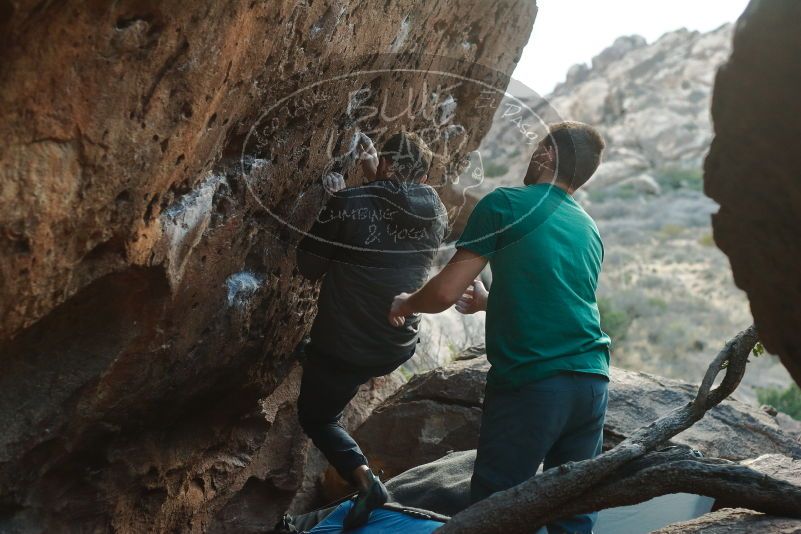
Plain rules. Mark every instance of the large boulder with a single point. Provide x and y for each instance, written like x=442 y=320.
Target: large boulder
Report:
x=734 y=521
x=433 y=414
x=440 y=412
x=733 y=430
x=148 y=291
x=777 y=466
x=754 y=171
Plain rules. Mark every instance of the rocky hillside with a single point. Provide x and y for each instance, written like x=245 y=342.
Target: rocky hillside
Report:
x=666 y=291
x=651 y=101
x=151 y=161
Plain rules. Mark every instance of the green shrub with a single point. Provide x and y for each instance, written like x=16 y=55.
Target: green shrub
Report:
x=672 y=178
x=626 y=192
x=669 y=231
x=493 y=170
x=786 y=400
x=706 y=240
x=598 y=194
x=659 y=304
x=405 y=373
x=615 y=322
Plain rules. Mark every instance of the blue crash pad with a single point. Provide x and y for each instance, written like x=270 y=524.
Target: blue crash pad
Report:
x=381 y=522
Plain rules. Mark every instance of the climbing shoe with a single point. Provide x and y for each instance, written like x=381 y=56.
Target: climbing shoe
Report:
x=365 y=502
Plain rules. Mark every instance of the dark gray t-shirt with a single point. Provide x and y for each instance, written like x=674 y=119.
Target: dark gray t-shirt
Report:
x=371 y=243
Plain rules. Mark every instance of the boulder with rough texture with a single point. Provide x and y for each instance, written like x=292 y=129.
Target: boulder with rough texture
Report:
x=152 y=160
x=778 y=466
x=440 y=412
x=287 y=470
x=734 y=521
x=754 y=171
x=433 y=414
x=733 y=430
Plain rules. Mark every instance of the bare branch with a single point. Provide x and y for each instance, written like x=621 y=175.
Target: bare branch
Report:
x=732 y=482
x=741 y=347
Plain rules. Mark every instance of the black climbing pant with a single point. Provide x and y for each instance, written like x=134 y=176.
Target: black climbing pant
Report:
x=327 y=386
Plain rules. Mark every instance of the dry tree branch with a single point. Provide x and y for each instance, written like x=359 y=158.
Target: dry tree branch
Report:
x=741 y=346
x=655 y=475
x=531 y=504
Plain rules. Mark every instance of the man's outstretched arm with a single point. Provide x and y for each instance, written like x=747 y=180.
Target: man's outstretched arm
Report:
x=442 y=291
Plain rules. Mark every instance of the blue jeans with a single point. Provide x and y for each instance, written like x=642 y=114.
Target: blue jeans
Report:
x=555 y=420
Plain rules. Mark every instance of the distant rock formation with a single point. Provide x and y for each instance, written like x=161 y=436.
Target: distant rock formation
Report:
x=650 y=101
x=148 y=291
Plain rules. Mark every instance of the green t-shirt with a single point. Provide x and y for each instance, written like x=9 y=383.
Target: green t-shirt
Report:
x=545 y=253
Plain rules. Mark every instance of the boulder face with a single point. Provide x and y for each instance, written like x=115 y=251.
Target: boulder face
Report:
x=433 y=414
x=754 y=172
x=150 y=180
x=440 y=411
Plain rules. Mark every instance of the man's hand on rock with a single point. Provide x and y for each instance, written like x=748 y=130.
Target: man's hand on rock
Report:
x=365 y=149
x=474 y=299
x=333 y=182
x=366 y=152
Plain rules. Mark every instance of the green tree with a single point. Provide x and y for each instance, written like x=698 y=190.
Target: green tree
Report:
x=787 y=400
x=493 y=170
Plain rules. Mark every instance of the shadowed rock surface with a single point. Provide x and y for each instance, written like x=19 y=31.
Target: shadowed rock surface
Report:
x=148 y=291
x=754 y=172
x=440 y=412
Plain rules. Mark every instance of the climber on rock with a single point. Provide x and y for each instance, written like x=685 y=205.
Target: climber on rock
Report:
x=368 y=244
x=546 y=393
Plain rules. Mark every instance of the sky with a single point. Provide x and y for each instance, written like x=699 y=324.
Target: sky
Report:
x=573 y=31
